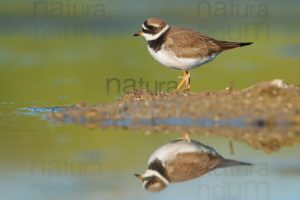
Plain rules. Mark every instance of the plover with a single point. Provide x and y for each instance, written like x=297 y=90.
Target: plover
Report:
x=182 y=160
x=181 y=48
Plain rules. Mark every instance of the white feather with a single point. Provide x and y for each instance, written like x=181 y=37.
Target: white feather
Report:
x=144 y=27
x=169 y=59
x=170 y=150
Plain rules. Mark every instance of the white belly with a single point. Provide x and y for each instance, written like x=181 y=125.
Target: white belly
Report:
x=169 y=151
x=170 y=60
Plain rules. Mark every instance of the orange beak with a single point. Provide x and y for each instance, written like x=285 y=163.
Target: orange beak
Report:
x=138 y=33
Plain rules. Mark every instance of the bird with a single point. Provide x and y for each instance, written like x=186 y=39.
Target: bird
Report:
x=182 y=160
x=181 y=48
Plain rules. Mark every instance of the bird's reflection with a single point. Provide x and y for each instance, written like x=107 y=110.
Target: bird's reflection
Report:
x=182 y=160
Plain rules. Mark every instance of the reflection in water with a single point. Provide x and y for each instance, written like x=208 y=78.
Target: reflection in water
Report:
x=258 y=133
x=182 y=160
x=45 y=162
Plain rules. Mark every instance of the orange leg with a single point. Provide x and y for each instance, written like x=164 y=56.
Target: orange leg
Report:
x=185 y=79
x=186 y=136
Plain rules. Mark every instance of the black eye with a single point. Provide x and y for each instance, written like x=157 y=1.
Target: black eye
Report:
x=146 y=31
x=150 y=27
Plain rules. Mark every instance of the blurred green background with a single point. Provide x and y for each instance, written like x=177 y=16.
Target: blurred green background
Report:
x=60 y=52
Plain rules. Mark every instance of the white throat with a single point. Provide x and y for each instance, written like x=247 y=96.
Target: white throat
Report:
x=150 y=37
x=150 y=172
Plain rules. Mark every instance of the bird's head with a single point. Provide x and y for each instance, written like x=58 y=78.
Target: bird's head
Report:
x=153 y=181
x=152 y=29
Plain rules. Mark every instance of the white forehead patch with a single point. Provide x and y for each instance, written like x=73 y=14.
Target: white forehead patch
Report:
x=144 y=27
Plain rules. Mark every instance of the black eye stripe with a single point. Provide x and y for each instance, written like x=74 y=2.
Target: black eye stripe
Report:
x=148 y=26
x=146 y=23
x=151 y=180
x=146 y=31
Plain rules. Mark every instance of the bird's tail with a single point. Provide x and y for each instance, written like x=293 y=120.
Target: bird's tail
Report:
x=230 y=45
x=231 y=163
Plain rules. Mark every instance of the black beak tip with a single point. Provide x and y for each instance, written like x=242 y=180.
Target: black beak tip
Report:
x=137 y=175
x=136 y=34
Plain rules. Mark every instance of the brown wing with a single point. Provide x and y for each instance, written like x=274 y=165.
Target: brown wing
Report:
x=188 y=166
x=190 y=43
